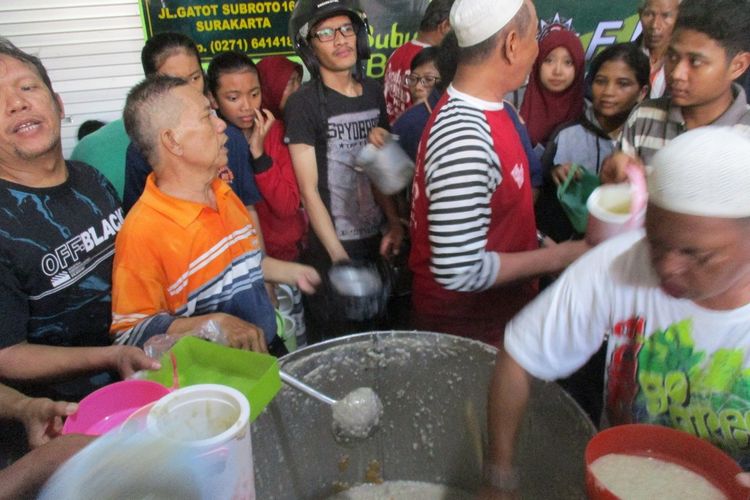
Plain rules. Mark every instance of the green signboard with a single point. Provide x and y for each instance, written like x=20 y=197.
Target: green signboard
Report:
x=598 y=23
x=260 y=28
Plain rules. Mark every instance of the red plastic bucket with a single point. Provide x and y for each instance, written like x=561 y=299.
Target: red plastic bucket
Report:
x=667 y=444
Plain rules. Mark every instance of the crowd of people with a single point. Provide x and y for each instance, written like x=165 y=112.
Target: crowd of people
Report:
x=215 y=187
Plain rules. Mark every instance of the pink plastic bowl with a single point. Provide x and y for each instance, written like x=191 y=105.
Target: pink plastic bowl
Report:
x=109 y=407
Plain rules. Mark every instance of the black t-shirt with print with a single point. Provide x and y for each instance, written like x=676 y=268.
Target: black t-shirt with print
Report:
x=346 y=192
x=56 y=253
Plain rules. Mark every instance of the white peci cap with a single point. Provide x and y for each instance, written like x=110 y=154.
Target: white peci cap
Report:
x=705 y=172
x=474 y=21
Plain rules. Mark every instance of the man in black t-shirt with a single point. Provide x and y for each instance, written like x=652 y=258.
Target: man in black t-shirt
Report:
x=327 y=122
x=58 y=222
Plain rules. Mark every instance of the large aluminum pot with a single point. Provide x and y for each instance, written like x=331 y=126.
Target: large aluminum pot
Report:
x=434 y=391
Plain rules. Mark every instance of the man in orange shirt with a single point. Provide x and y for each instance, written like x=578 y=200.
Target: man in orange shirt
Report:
x=188 y=251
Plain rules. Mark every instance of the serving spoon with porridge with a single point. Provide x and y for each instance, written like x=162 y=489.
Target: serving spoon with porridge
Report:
x=355 y=416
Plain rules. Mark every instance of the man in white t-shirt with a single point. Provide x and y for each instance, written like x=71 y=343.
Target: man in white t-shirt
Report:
x=672 y=305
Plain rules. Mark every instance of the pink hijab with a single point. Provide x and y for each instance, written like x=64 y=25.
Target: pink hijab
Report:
x=544 y=110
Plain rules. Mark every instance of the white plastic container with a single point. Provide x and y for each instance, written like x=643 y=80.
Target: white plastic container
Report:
x=613 y=210
x=617 y=208
x=213 y=421
x=388 y=167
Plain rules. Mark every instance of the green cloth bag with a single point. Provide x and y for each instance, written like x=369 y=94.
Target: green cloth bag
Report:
x=573 y=194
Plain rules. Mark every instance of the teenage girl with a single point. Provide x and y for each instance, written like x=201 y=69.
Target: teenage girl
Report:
x=236 y=91
x=251 y=99
x=619 y=79
x=554 y=94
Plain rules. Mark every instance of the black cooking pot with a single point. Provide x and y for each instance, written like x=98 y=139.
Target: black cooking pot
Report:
x=359 y=290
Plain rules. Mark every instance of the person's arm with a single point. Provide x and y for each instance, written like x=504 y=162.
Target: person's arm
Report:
x=260 y=161
x=394 y=234
x=550 y=338
x=390 y=244
x=304 y=277
x=42 y=362
x=508 y=397
x=139 y=312
x=41 y=417
x=458 y=259
x=239 y=333
x=555 y=162
x=614 y=167
x=25 y=477
x=20 y=360
x=547 y=260
x=378 y=136
x=139 y=305
x=306 y=170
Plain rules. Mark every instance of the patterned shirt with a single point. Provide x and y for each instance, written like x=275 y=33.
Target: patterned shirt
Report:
x=655 y=122
x=175 y=258
x=669 y=361
x=56 y=251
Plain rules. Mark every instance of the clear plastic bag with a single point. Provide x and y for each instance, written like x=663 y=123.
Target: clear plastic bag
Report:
x=156 y=346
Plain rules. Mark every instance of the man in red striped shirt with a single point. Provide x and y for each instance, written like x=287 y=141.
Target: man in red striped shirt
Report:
x=475 y=248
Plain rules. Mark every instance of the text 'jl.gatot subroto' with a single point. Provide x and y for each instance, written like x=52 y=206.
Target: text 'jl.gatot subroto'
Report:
x=213 y=17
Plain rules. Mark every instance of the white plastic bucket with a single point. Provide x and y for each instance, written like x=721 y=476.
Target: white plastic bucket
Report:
x=213 y=421
x=612 y=211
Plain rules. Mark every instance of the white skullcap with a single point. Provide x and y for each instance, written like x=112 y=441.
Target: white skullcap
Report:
x=474 y=21
x=705 y=171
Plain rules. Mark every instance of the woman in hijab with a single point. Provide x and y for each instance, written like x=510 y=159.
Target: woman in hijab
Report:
x=554 y=95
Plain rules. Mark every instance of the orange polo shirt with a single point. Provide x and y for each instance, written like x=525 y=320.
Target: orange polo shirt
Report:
x=176 y=258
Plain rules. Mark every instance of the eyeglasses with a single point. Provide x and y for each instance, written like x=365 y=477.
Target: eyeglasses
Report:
x=426 y=81
x=328 y=34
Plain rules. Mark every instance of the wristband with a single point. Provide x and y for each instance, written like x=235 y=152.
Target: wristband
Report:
x=262 y=163
x=506 y=479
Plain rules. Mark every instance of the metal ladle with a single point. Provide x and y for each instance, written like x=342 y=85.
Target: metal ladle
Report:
x=356 y=416
x=303 y=387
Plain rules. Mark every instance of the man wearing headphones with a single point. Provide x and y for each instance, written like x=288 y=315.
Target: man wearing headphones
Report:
x=327 y=122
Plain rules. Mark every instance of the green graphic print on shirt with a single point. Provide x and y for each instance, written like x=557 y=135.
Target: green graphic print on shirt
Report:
x=684 y=388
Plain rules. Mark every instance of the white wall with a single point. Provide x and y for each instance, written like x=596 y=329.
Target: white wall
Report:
x=91 y=49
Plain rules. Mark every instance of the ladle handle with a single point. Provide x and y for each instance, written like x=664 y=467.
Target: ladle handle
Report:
x=301 y=386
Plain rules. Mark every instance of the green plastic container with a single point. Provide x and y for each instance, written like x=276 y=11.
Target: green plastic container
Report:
x=199 y=361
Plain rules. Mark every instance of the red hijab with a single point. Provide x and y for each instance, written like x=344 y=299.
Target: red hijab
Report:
x=274 y=73
x=544 y=110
